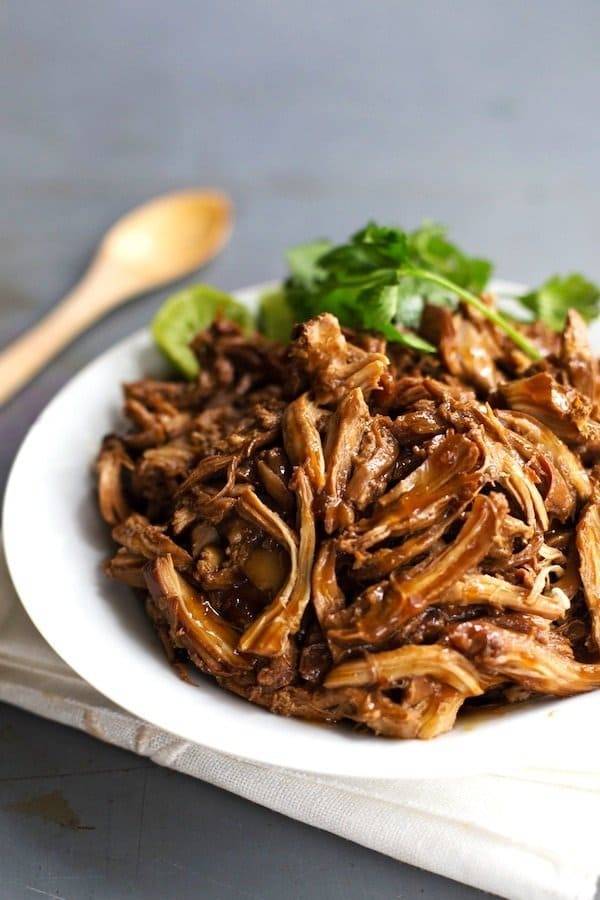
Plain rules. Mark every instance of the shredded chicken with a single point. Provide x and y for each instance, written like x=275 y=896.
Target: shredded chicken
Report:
x=588 y=544
x=344 y=530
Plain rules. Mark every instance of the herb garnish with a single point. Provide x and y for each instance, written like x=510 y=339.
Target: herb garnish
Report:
x=551 y=302
x=382 y=277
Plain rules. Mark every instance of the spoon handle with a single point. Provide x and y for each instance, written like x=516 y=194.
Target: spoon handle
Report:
x=89 y=300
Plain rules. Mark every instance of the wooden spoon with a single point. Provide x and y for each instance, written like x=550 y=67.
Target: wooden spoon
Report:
x=158 y=242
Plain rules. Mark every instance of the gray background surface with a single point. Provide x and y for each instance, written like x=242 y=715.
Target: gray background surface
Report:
x=314 y=117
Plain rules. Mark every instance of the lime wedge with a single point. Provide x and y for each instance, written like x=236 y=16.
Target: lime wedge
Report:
x=275 y=317
x=186 y=313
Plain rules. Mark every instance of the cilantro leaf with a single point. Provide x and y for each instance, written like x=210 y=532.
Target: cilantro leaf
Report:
x=551 y=302
x=430 y=248
x=408 y=338
x=303 y=261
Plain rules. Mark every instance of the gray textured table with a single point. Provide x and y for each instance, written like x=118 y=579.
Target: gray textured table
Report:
x=483 y=115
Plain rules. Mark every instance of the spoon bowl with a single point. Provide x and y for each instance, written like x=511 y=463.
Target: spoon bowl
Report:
x=168 y=237
x=156 y=243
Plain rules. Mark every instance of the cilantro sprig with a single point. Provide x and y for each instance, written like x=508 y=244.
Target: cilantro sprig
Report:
x=381 y=279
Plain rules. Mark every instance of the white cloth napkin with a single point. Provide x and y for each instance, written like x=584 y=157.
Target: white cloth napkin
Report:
x=533 y=835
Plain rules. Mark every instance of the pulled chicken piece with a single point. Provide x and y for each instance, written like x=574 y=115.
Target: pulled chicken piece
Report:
x=302 y=441
x=374 y=464
x=332 y=365
x=269 y=633
x=390 y=667
x=565 y=411
x=344 y=437
x=467 y=350
x=139 y=536
x=445 y=479
x=372 y=620
x=522 y=659
x=192 y=622
x=588 y=547
x=543 y=438
x=576 y=357
x=112 y=461
x=348 y=531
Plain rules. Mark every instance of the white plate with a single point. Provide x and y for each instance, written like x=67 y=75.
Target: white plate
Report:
x=55 y=543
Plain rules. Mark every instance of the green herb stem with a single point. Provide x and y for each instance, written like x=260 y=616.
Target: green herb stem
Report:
x=513 y=333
